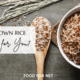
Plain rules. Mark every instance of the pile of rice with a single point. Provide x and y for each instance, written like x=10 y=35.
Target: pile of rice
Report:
x=70 y=38
x=43 y=32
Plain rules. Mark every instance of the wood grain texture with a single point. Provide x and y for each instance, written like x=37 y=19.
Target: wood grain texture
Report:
x=54 y=33
x=40 y=59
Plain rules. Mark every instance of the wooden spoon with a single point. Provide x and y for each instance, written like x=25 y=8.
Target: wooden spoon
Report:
x=40 y=55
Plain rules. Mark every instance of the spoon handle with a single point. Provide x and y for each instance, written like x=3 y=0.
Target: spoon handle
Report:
x=40 y=57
